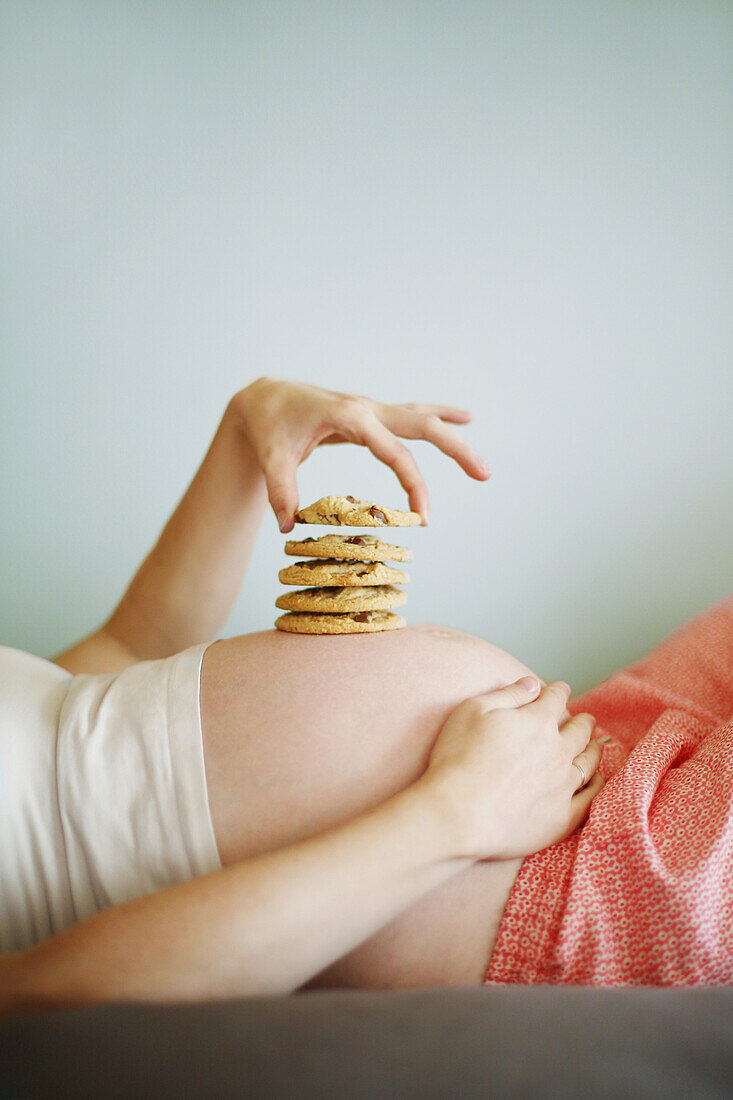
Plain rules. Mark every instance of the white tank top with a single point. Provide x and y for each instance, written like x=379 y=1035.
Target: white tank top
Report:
x=35 y=896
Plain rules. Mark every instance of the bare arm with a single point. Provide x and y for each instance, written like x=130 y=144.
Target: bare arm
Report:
x=262 y=926
x=268 y=924
x=185 y=588
x=183 y=592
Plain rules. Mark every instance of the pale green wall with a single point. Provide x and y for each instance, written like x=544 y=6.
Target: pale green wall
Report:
x=524 y=208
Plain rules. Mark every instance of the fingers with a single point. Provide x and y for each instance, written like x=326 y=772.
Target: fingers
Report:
x=580 y=803
x=415 y=423
x=553 y=700
x=372 y=433
x=585 y=764
x=282 y=492
x=511 y=695
x=445 y=412
x=378 y=426
x=577 y=733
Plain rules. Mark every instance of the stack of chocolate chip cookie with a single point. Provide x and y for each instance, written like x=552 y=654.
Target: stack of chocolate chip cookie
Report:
x=351 y=590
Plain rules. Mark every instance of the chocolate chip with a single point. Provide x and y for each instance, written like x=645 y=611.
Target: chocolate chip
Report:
x=352 y=499
x=309 y=539
x=377 y=514
x=357 y=540
x=361 y=617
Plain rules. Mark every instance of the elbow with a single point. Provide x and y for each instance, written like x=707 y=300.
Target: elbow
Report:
x=31 y=982
x=17 y=987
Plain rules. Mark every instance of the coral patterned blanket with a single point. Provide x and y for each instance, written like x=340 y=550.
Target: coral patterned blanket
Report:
x=643 y=893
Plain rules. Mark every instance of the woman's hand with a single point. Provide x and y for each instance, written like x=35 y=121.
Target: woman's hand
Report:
x=513 y=776
x=184 y=590
x=284 y=421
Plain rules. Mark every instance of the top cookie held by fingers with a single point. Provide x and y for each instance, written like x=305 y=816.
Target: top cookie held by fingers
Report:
x=349 y=512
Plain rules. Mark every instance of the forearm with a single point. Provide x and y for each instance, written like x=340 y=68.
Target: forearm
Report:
x=262 y=926
x=184 y=590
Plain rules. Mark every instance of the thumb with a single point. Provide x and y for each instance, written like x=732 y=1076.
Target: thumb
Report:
x=513 y=695
x=282 y=492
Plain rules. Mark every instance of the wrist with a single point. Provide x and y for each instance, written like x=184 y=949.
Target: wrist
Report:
x=19 y=991
x=243 y=404
x=445 y=818
x=232 y=438
x=468 y=837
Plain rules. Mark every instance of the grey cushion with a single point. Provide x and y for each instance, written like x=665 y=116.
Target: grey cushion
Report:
x=487 y=1042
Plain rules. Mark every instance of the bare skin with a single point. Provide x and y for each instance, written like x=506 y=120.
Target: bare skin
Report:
x=334 y=907
x=340 y=806
x=302 y=733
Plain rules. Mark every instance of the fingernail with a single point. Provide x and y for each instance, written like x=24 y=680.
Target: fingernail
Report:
x=529 y=683
x=563 y=684
x=281 y=518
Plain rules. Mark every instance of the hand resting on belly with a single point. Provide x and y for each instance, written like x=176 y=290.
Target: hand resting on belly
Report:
x=302 y=733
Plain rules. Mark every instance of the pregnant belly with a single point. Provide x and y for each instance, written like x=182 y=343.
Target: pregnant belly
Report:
x=301 y=733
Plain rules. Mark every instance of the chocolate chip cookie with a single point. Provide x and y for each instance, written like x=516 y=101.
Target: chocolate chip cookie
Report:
x=348 y=548
x=379 y=597
x=350 y=512
x=327 y=573
x=355 y=622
